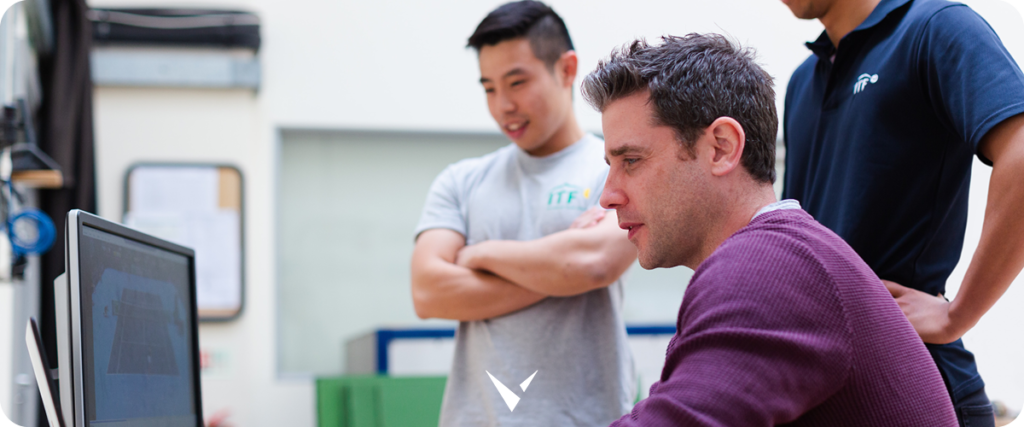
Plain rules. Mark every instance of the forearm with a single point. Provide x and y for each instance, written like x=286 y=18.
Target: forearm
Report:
x=566 y=263
x=447 y=291
x=999 y=257
x=555 y=264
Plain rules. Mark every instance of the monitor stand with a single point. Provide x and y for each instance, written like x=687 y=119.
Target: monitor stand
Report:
x=65 y=377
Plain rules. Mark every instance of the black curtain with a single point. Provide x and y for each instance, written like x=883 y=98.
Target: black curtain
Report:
x=66 y=134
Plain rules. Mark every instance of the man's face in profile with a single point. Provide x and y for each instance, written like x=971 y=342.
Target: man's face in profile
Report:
x=525 y=98
x=657 y=189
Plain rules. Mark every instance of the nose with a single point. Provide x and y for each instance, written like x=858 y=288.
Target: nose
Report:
x=612 y=197
x=505 y=104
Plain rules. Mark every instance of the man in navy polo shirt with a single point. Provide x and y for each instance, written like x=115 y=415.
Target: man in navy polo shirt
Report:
x=881 y=124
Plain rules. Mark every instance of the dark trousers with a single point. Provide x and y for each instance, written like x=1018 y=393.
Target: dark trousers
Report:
x=975 y=410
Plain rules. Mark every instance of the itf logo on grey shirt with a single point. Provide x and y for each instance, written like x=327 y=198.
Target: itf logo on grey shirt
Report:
x=568 y=196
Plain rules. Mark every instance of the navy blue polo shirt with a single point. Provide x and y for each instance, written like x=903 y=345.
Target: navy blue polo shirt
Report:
x=880 y=135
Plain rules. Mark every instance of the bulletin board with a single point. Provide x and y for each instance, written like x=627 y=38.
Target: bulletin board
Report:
x=198 y=206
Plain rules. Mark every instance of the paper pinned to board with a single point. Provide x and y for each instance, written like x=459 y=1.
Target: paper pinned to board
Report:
x=161 y=189
x=215 y=238
x=198 y=207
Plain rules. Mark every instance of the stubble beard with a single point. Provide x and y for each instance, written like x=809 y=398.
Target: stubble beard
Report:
x=683 y=248
x=806 y=9
x=679 y=235
x=674 y=242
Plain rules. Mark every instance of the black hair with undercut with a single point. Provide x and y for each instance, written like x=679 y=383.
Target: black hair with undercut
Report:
x=532 y=20
x=692 y=81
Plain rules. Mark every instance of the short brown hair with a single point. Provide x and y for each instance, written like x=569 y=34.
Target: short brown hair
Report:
x=693 y=80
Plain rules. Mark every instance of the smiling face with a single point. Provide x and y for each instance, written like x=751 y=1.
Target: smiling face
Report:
x=531 y=104
x=661 y=195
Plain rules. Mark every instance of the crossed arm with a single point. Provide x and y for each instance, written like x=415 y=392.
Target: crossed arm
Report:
x=453 y=281
x=999 y=256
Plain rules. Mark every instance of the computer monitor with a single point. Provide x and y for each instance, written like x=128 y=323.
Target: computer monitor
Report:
x=126 y=328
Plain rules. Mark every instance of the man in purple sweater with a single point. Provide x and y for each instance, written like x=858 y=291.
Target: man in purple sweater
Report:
x=782 y=322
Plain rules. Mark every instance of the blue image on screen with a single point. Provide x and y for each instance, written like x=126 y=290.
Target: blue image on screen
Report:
x=140 y=347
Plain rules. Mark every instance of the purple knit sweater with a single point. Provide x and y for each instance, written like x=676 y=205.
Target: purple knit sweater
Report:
x=784 y=324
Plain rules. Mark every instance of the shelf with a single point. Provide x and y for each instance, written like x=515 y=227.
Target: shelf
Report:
x=46 y=179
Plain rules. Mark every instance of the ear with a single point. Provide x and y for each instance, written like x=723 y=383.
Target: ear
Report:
x=566 y=68
x=728 y=140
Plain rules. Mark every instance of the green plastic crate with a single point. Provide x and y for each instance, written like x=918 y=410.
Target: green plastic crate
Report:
x=379 y=401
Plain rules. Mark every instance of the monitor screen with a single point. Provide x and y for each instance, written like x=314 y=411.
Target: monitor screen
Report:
x=136 y=314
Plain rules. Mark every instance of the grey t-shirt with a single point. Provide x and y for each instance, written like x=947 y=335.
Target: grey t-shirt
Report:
x=576 y=345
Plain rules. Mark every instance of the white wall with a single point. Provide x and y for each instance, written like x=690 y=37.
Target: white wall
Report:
x=402 y=65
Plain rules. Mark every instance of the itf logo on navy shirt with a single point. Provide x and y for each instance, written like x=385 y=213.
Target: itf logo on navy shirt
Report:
x=862 y=82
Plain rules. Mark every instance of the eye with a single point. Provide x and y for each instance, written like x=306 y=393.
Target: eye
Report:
x=489 y=90
x=630 y=160
x=518 y=83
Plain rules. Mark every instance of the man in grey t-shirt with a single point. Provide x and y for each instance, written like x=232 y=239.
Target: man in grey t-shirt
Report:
x=514 y=246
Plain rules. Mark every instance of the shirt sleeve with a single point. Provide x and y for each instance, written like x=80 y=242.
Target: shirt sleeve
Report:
x=755 y=346
x=443 y=208
x=972 y=80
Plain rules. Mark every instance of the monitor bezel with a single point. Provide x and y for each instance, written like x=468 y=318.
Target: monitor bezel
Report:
x=77 y=220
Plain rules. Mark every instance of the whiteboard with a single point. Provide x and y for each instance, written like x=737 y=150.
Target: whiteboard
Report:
x=198 y=206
